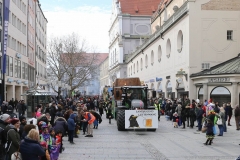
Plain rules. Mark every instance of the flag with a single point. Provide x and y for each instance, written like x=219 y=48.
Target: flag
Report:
x=5 y=38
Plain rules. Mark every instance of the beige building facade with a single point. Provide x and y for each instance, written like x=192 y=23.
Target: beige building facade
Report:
x=22 y=48
x=187 y=37
x=104 y=75
x=41 y=47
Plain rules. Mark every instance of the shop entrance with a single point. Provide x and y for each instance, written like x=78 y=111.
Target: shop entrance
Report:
x=221 y=95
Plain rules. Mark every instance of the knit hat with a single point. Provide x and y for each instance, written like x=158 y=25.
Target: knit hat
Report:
x=4 y=117
x=14 y=121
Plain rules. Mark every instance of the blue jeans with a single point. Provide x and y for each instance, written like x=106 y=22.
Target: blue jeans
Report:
x=224 y=127
x=199 y=121
x=220 y=130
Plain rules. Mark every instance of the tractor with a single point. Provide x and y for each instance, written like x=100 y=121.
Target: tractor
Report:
x=131 y=98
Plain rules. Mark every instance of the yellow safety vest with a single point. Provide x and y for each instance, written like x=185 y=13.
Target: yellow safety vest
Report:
x=157 y=107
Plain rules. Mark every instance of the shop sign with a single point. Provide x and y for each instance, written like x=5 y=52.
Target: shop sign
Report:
x=152 y=80
x=146 y=81
x=224 y=79
x=158 y=79
x=139 y=119
x=169 y=89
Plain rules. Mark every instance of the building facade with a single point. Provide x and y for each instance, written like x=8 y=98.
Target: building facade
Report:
x=21 y=47
x=41 y=46
x=104 y=75
x=17 y=63
x=129 y=28
x=188 y=37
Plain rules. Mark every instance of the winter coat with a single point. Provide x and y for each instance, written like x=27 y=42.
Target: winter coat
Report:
x=237 y=112
x=31 y=149
x=60 y=124
x=229 y=110
x=222 y=116
x=179 y=110
x=97 y=116
x=199 y=113
x=71 y=123
x=13 y=138
x=209 y=128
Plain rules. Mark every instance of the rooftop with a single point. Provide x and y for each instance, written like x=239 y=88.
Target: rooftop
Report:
x=231 y=66
x=139 y=7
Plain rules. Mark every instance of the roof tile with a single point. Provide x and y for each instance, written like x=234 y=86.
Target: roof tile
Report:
x=139 y=7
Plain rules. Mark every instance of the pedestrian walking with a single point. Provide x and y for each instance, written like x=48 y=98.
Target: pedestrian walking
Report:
x=237 y=116
x=209 y=133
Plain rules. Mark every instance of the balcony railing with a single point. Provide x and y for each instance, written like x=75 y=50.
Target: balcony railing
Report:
x=173 y=19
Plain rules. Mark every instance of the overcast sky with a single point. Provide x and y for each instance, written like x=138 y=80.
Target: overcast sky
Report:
x=90 y=19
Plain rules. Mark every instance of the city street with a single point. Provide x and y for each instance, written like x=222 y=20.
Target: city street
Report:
x=167 y=143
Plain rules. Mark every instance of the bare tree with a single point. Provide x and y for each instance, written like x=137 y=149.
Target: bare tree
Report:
x=69 y=62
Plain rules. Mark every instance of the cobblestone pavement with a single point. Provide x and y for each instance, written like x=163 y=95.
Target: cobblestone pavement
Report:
x=167 y=143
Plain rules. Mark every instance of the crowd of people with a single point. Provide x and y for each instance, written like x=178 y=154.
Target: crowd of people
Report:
x=208 y=115
x=41 y=137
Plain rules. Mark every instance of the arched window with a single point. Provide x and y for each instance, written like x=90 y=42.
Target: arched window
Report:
x=131 y=70
x=180 y=41
x=146 y=61
x=141 y=64
x=152 y=58
x=134 y=68
x=159 y=53
x=168 y=48
x=137 y=66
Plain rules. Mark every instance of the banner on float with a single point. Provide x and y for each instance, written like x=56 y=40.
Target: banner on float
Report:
x=5 y=32
x=141 y=119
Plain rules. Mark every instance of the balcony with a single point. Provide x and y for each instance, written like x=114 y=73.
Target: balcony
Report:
x=172 y=20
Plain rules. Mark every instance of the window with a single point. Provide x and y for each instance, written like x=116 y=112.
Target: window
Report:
x=11 y=66
x=229 y=35
x=205 y=65
x=26 y=71
x=141 y=64
x=152 y=58
x=159 y=53
x=7 y=65
x=23 y=70
x=179 y=41
x=17 y=68
x=146 y=61
x=137 y=66
x=168 y=48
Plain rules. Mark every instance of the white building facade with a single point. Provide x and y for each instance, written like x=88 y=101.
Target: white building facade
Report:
x=188 y=37
x=129 y=27
x=41 y=46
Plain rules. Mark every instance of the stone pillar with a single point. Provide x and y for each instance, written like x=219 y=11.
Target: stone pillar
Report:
x=205 y=91
x=18 y=92
x=10 y=92
x=234 y=94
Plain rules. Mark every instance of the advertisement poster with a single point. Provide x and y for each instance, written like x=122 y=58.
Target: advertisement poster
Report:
x=140 y=119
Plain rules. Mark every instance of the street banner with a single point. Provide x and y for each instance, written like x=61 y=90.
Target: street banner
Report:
x=141 y=119
x=5 y=37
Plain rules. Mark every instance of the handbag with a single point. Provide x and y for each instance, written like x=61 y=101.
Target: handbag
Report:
x=219 y=121
x=204 y=129
x=16 y=156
